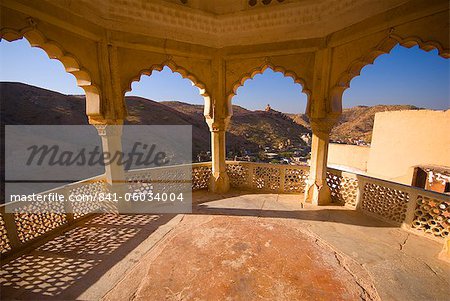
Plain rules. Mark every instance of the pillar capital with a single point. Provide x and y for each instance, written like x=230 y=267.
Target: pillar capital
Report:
x=322 y=126
x=109 y=130
x=104 y=121
x=218 y=124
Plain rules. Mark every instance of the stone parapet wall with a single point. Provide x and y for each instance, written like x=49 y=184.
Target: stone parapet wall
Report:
x=414 y=209
x=23 y=225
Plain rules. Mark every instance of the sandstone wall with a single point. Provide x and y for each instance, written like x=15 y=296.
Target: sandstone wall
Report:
x=403 y=139
x=353 y=156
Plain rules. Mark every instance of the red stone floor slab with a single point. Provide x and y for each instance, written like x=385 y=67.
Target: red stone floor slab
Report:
x=239 y=258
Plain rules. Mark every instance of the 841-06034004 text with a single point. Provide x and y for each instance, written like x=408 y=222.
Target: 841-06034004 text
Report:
x=143 y=197
x=100 y=197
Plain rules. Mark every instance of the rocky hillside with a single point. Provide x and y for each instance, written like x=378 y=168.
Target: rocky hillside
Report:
x=250 y=129
x=25 y=104
x=355 y=123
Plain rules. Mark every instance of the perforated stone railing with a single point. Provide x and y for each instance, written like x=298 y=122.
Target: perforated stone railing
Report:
x=5 y=244
x=140 y=180
x=93 y=186
x=243 y=175
x=265 y=177
x=432 y=215
x=386 y=200
x=21 y=225
x=343 y=186
x=424 y=212
x=421 y=211
x=412 y=208
x=201 y=172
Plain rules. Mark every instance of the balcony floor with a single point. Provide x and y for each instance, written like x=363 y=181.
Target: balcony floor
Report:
x=236 y=246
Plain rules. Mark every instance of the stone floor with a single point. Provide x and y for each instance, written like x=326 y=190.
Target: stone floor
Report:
x=233 y=247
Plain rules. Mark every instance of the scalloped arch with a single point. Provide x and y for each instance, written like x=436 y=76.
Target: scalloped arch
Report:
x=384 y=47
x=261 y=69
x=53 y=51
x=174 y=68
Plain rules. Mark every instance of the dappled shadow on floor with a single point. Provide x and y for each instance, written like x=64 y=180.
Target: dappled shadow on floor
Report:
x=67 y=264
x=280 y=206
x=325 y=215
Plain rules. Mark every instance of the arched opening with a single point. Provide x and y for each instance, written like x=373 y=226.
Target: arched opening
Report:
x=162 y=96
x=36 y=89
x=396 y=114
x=70 y=63
x=404 y=79
x=268 y=122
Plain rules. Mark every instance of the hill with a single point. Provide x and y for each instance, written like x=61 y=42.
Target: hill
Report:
x=25 y=104
x=355 y=123
x=249 y=130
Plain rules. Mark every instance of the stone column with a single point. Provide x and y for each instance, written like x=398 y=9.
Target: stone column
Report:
x=317 y=191
x=111 y=136
x=219 y=181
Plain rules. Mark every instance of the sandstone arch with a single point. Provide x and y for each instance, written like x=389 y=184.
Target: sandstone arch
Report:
x=174 y=68
x=183 y=72
x=70 y=62
x=384 y=47
x=276 y=68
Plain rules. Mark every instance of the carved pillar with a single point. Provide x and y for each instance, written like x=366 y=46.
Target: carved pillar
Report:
x=218 y=112
x=111 y=135
x=317 y=191
x=106 y=110
x=219 y=181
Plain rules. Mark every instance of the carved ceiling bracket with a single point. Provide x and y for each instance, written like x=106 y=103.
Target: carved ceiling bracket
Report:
x=267 y=61
x=391 y=31
x=31 y=22
x=169 y=59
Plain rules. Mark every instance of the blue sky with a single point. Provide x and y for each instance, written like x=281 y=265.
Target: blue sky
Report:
x=405 y=76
